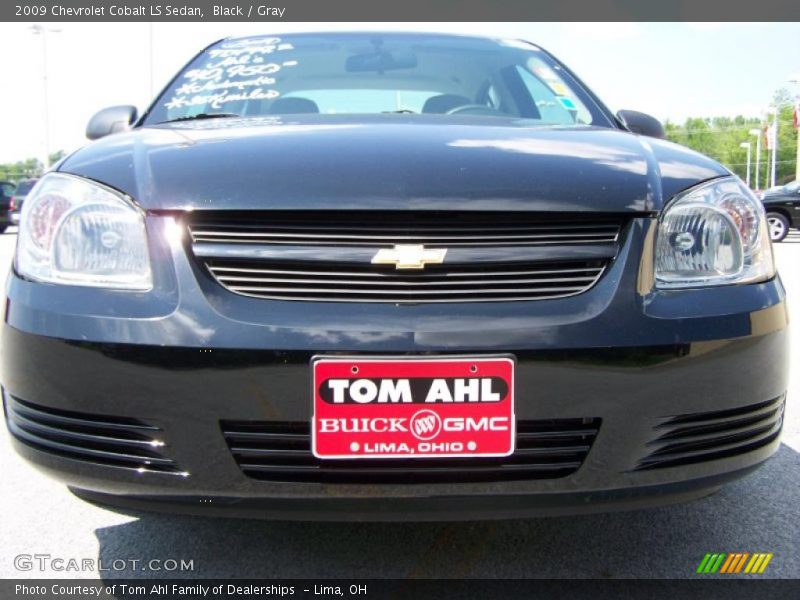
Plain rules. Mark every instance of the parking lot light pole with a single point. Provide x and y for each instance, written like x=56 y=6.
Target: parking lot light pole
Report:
x=42 y=31
x=796 y=81
x=747 y=145
x=757 y=133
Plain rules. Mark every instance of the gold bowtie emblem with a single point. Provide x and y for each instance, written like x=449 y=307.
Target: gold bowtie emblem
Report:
x=409 y=256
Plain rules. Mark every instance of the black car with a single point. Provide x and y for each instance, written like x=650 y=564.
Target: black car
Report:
x=18 y=196
x=390 y=276
x=6 y=194
x=783 y=210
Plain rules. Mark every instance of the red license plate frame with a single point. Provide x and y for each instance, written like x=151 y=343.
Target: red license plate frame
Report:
x=433 y=415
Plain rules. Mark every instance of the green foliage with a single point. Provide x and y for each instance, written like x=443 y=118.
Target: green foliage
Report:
x=24 y=169
x=720 y=138
x=56 y=156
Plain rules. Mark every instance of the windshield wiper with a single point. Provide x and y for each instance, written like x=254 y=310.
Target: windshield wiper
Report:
x=402 y=111
x=199 y=116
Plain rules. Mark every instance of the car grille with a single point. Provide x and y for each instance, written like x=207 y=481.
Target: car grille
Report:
x=281 y=451
x=698 y=437
x=386 y=230
x=109 y=441
x=524 y=282
x=327 y=256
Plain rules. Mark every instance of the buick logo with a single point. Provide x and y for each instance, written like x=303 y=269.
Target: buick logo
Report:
x=425 y=425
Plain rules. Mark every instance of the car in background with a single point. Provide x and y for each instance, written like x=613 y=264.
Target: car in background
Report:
x=783 y=210
x=6 y=193
x=18 y=198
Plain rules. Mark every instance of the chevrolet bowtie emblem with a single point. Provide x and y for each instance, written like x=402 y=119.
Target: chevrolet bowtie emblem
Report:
x=409 y=256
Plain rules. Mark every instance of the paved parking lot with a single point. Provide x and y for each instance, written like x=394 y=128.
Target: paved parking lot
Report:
x=758 y=514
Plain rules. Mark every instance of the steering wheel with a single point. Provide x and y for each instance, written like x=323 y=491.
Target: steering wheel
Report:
x=479 y=109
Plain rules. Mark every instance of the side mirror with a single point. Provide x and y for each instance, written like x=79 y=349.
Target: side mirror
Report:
x=641 y=123
x=114 y=119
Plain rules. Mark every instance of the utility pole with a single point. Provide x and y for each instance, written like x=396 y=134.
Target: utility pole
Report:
x=749 y=154
x=150 y=36
x=774 y=144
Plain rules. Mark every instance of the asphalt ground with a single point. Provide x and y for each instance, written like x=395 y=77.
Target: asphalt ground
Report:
x=757 y=514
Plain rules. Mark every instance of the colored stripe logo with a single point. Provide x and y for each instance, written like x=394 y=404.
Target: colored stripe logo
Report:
x=737 y=562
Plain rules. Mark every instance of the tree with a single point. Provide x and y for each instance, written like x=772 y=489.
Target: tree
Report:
x=22 y=169
x=25 y=169
x=721 y=137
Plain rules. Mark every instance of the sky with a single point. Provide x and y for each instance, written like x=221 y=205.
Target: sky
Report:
x=670 y=70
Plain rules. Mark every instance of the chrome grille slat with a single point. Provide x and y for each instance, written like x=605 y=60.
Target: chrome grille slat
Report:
x=309 y=226
x=228 y=279
x=391 y=274
x=19 y=431
x=415 y=292
x=389 y=240
x=79 y=436
x=367 y=236
x=326 y=256
x=419 y=228
x=52 y=417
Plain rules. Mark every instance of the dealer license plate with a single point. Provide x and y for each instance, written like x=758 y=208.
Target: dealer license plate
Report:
x=412 y=408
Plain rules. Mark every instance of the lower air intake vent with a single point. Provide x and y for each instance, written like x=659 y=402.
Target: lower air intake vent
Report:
x=281 y=451
x=103 y=440
x=698 y=437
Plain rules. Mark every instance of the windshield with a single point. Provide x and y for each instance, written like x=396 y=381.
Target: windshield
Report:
x=369 y=73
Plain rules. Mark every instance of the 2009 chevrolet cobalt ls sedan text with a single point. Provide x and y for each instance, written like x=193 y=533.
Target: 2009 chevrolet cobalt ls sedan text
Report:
x=390 y=276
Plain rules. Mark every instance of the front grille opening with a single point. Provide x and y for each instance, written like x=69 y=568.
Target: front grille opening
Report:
x=99 y=439
x=387 y=228
x=383 y=283
x=699 y=437
x=281 y=451
x=325 y=256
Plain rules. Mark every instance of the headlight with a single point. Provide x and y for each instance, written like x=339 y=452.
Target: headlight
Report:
x=714 y=234
x=77 y=232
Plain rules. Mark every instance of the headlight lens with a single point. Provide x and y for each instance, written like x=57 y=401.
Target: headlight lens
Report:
x=77 y=232
x=714 y=234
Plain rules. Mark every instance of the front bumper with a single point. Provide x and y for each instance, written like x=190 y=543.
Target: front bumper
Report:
x=188 y=356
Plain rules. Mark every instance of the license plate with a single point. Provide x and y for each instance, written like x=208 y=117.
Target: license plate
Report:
x=412 y=408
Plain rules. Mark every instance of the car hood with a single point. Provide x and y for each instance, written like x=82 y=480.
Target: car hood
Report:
x=390 y=162
x=778 y=196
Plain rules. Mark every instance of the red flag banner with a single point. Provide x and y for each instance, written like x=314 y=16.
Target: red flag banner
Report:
x=769 y=136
